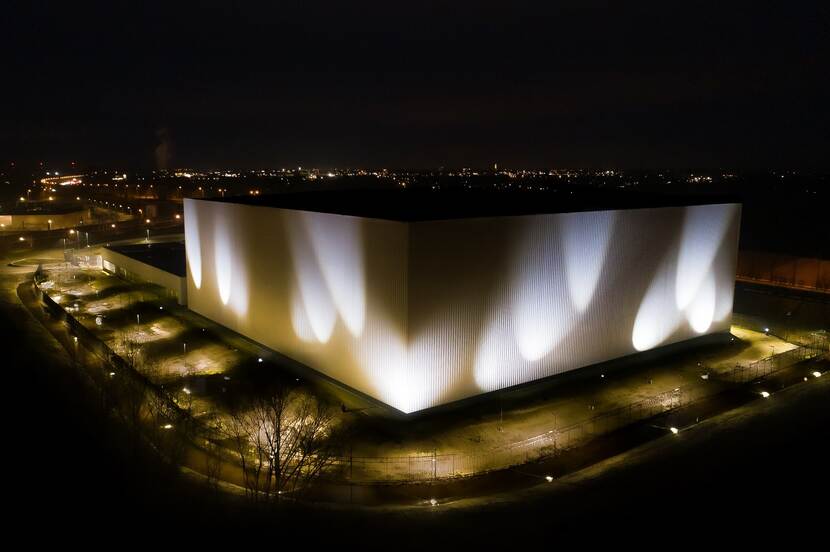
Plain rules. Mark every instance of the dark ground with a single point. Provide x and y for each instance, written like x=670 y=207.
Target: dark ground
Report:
x=755 y=473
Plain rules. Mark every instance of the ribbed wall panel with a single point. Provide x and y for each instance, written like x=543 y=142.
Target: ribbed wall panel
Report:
x=422 y=314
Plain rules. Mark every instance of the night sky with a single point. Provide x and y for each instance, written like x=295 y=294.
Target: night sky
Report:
x=417 y=84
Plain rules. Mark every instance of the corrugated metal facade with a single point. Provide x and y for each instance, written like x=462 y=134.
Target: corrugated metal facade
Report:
x=426 y=313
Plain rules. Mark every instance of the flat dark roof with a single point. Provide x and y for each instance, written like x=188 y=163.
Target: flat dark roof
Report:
x=421 y=205
x=166 y=256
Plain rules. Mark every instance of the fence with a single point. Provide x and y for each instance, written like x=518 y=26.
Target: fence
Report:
x=436 y=466
x=549 y=443
x=769 y=365
x=101 y=350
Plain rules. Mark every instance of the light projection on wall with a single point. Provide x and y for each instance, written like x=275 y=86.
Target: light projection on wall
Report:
x=419 y=319
x=192 y=243
x=330 y=282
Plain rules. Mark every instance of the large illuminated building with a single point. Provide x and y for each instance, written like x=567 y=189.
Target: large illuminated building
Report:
x=422 y=299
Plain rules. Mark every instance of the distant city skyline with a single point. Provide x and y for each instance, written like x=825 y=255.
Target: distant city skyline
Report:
x=583 y=85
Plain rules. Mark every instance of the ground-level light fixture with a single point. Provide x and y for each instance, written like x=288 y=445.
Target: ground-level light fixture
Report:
x=186 y=391
x=259 y=359
x=433 y=502
x=549 y=478
x=766 y=330
x=816 y=374
x=112 y=374
x=112 y=225
x=674 y=430
x=167 y=426
x=765 y=394
x=21 y=238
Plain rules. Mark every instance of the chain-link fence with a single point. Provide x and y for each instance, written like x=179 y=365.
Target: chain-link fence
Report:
x=437 y=466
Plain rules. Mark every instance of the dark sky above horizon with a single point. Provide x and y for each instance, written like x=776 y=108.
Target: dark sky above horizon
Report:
x=417 y=84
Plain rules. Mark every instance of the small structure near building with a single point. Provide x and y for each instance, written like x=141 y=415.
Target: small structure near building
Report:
x=162 y=264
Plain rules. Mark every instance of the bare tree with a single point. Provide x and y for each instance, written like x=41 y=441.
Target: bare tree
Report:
x=241 y=428
x=285 y=440
x=213 y=464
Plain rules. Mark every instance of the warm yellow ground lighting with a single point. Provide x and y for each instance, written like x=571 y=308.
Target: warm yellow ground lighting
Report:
x=674 y=430
x=549 y=479
x=816 y=374
x=765 y=394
